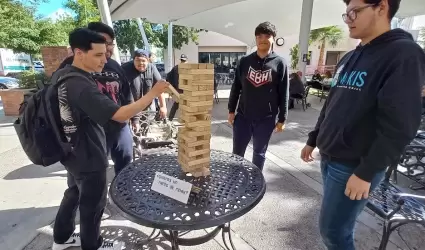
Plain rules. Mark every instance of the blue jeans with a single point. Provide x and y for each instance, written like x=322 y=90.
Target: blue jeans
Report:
x=121 y=148
x=338 y=213
x=260 y=130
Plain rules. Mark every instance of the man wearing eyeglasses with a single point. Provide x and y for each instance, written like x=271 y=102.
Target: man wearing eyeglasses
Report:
x=113 y=83
x=373 y=111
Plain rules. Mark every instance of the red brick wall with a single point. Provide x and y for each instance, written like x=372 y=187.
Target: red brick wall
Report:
x=12 y=100
x=53 y=57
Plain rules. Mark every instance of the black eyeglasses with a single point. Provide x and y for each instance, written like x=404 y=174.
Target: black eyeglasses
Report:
x=352 y=14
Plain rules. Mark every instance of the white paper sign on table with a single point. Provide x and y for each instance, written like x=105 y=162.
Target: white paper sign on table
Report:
x=171 y=187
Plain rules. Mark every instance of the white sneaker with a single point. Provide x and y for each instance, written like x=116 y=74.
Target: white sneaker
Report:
x=73 y=241
x=111 y=246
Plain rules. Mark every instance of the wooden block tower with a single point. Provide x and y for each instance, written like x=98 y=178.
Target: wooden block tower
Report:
x=196 y=102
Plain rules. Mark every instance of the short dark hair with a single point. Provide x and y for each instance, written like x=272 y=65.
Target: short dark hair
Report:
x=266 y=28
x=82 y=38
x=393 y=6
x=100 y=27
x=151 y=54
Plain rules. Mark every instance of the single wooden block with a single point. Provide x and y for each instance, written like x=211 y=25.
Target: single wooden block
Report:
x=189 y=152
x=196 y=109
x=210 y=66
x=188 y=117
x=196 y=98
x=193 y=160
x=189 y=82
x=196 y=71
x=196 y=77
x=198 y=93
x=196 y=144
x=189 y=103
x=188 y=139
x=192 y=133
x=174 y=93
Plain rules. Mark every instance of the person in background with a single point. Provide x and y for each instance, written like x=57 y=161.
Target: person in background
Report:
x=143 y=75
x=259 y=94
x=152 y=57
x=296 y=89
x=317 y=76
x=113 y=83
x=84 y=112
x=173 y=79
x=372 y=112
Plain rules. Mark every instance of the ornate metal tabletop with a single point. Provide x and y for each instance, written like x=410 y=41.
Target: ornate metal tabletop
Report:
x=234 y=187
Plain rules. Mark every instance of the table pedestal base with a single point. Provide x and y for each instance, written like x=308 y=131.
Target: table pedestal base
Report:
x=177 y=241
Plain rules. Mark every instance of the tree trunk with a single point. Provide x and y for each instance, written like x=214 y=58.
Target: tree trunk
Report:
x=322 y=54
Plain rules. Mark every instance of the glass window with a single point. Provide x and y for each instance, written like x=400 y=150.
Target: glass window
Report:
x=224 y=62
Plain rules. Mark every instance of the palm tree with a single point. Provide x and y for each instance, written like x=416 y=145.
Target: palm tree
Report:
x=331 y=35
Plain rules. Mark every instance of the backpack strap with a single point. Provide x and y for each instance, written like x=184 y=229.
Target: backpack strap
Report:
x=67 y=147
x=67 y=76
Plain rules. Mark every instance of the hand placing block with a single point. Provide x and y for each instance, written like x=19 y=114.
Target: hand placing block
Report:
x=196 y=103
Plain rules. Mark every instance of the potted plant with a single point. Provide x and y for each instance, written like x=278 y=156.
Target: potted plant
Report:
x=12 y=98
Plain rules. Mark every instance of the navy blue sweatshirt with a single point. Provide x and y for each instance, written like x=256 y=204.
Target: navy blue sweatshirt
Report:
x=374 y=106
x=261 y=87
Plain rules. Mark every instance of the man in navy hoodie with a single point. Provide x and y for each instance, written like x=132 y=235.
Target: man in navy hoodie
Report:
x=113 y=83
x=372 y=112
x=261 y=87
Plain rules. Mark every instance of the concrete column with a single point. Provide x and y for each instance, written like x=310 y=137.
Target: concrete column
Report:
x=105 y=15
x=142 y=31
x=170 y=46
x=306 y=13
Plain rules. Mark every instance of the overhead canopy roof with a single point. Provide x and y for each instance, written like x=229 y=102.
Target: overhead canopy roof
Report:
x=238 y=18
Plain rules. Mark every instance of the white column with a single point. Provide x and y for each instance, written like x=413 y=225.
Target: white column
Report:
x=306 y=13
x=142 y=31
x=105 y=15
x=170 y=46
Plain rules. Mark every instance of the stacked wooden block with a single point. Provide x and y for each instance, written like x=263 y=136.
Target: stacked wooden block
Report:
x=196 y=102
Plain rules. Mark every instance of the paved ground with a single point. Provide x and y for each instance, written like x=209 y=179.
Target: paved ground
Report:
x=285 y=219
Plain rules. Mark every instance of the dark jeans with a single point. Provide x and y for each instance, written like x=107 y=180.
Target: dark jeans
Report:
x=121 y=148
x=173 y=111
x=338 y=213
x=260 y=131
x=88 y=191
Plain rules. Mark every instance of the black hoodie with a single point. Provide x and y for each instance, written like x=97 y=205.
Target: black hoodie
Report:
x=374 y=106
x=261 y=87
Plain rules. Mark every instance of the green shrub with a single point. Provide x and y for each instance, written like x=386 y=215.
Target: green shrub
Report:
x=29 y=79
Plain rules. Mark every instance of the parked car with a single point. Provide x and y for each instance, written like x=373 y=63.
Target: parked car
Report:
x=38 y=66
x=8 y=82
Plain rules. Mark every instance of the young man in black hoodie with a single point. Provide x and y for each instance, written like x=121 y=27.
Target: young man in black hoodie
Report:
x=113 y=83
x=261 y=87
x=372 y=112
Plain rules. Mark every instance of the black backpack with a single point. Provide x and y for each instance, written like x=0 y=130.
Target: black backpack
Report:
x=39 y=126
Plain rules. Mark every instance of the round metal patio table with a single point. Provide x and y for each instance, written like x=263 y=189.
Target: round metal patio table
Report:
x=234 y=187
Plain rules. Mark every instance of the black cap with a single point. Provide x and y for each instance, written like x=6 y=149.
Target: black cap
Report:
x=183 y=57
